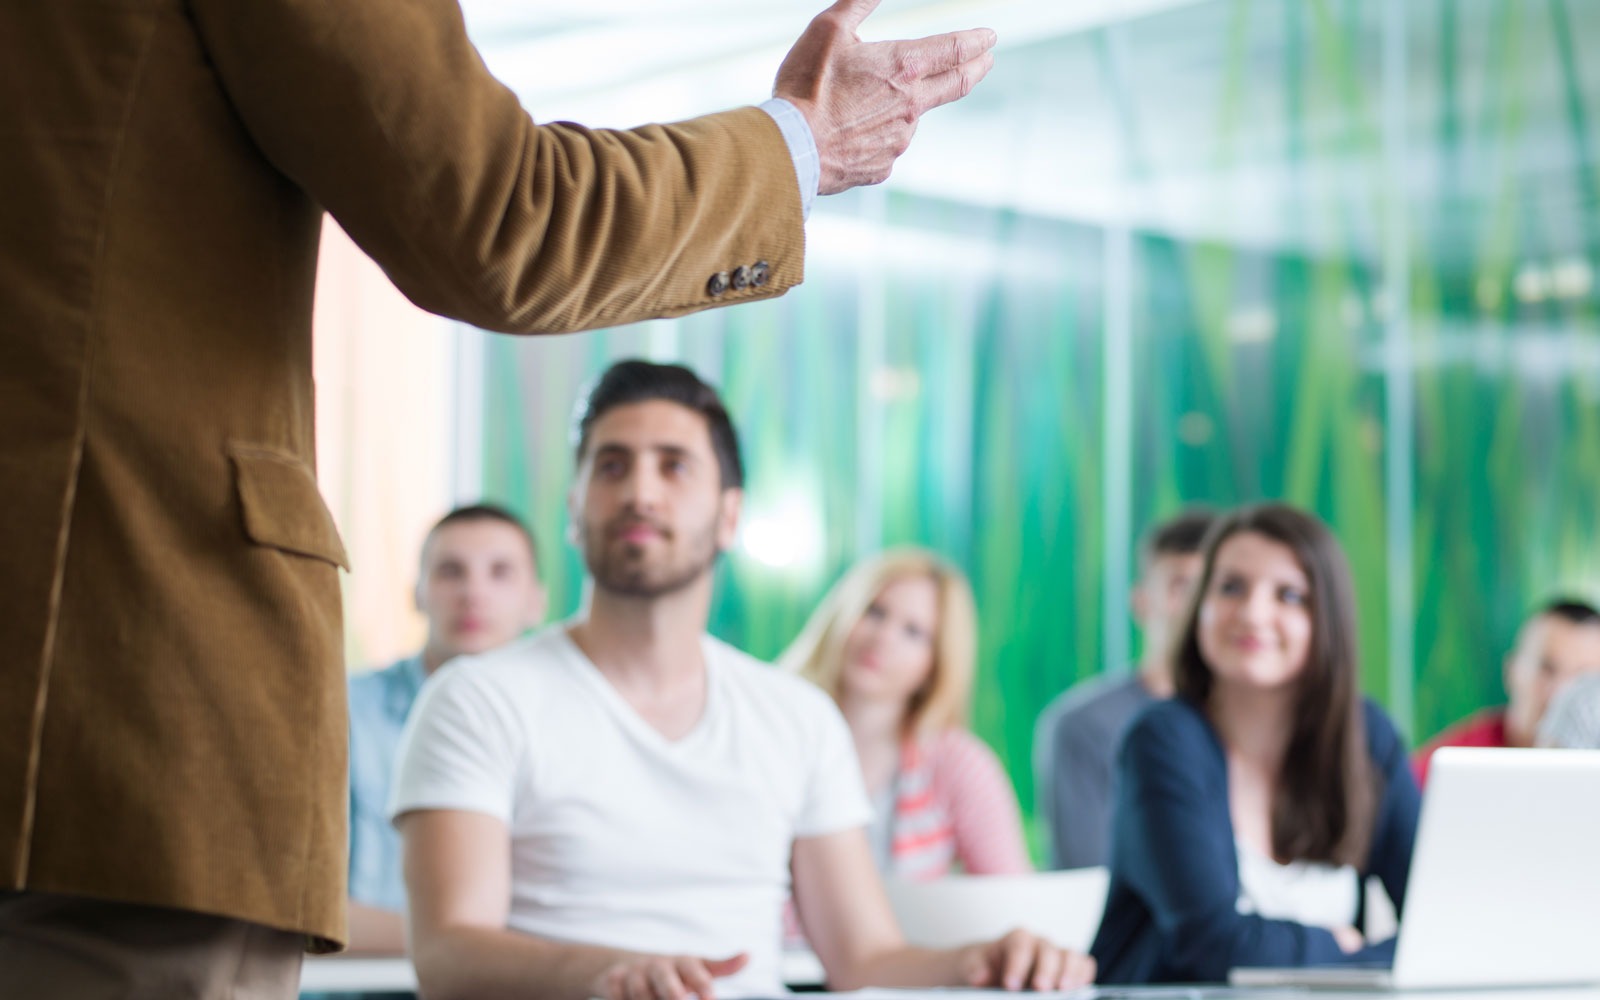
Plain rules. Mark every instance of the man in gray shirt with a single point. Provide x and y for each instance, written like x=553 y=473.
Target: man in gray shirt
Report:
x=1075 y=742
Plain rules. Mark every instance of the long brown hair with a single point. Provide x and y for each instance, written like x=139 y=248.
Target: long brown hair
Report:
x=1327 y=789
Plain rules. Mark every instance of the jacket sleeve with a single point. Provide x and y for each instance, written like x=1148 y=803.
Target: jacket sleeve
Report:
x=383 y=111
x=1175 y=849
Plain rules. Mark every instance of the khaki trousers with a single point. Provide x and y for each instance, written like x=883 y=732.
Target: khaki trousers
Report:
x=86 y=949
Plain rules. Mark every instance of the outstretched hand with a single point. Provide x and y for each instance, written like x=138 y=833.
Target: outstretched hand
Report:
x=863 y=99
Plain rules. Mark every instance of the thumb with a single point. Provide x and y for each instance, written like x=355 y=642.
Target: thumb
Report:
x=727 y=966
x=852 y=12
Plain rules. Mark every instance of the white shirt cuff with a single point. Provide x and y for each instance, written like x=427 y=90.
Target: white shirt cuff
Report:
x=802 y=149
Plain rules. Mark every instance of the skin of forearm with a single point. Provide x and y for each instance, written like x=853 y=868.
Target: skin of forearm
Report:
x=376 y=931
x=905 y=966
x=484 y=963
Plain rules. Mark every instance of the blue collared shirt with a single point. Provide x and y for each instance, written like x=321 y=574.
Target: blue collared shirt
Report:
x=379 y=703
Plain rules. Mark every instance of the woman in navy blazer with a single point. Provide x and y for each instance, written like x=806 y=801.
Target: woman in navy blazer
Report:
x=1267 y=749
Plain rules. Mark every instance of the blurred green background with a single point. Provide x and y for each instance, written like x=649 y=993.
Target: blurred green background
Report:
x=1342 y=253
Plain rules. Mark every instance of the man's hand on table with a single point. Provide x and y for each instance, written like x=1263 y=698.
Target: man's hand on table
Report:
x=1022 y=960
x=665 y=977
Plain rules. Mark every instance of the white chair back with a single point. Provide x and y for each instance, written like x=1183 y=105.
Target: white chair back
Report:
x=1064 y=907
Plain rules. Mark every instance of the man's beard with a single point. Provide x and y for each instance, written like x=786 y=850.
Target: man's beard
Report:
x=622 y=568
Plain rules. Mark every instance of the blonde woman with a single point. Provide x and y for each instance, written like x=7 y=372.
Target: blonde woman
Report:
x=894 y=643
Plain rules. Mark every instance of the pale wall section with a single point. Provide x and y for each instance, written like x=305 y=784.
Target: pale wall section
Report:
x=385 y=377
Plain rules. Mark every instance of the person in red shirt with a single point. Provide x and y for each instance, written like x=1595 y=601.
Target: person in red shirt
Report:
x=1561 y=641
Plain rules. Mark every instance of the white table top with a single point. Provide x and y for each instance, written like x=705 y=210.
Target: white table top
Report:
x=339 y=974
x=342 y=974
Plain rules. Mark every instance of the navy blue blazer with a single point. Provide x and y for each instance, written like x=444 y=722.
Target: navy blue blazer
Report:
x=1171 y=915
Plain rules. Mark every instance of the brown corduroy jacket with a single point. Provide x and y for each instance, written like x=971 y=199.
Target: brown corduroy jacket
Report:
x=172 y=718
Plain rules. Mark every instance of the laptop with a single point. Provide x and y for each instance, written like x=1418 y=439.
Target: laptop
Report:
x=1505 y=879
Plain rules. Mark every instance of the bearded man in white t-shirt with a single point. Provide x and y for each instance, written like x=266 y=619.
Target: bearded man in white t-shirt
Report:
x=619 y=806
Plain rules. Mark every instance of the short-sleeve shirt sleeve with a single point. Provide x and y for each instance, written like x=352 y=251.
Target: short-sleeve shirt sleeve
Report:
x=461 y=748
x=836 y=794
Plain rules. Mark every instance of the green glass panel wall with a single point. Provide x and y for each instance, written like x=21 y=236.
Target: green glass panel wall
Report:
x=943 y=376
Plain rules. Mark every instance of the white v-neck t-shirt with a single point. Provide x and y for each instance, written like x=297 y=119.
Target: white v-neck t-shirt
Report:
x=619 y=836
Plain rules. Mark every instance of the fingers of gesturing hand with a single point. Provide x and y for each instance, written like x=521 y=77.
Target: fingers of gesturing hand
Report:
x=863 y=100
x=850 y=13
x=952 y=84
x=829 y=50
x=915 y=60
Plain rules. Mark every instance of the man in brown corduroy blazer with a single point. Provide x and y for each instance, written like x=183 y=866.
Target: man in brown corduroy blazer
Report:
x=172 y=722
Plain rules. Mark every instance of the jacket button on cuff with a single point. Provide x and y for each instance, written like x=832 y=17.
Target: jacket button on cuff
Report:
x=759 y=273
x=741 y=278
x=718 y=284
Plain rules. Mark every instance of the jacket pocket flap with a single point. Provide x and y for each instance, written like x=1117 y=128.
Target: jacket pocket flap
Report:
x=282 y=506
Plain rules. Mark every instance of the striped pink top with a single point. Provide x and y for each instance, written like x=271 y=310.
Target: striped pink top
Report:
x=954 y=803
